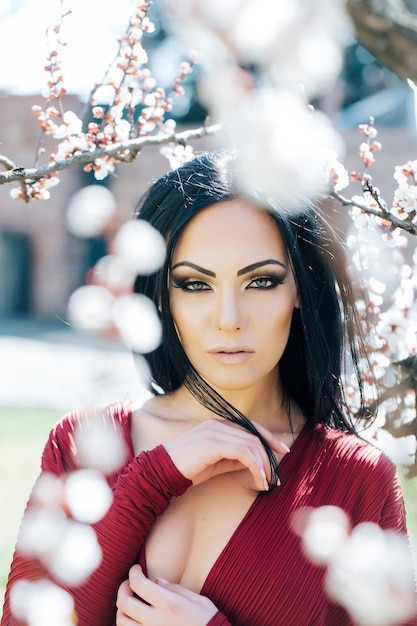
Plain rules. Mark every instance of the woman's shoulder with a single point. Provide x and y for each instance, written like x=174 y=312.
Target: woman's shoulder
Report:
x=352 y=449
x=90 y=438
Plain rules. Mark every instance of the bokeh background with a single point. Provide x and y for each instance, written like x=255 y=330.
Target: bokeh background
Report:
x=47 y=366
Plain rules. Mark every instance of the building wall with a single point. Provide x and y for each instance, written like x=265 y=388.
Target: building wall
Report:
x=53 y=253
x=57 y=260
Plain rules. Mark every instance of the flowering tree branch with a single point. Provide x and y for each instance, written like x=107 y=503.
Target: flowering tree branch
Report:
x=125 y=151
x=390 y=221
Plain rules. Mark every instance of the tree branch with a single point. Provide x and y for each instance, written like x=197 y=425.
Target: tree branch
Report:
x=125 y=151
x=406 y=225
x=6 y=162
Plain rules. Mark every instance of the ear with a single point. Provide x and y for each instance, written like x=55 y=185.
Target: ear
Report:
x=297 y=303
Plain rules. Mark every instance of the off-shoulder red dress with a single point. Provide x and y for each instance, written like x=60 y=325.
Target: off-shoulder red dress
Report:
x=262 y=577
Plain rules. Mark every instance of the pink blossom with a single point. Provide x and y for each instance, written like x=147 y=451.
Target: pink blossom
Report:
x=406 y=171
x=338 y=173
x=147 y=25
x=103 y=166
x=67 y=148
x=177 y=154
x=122 y=130
x=72 y=126
x=405 y=201
x=368 y=130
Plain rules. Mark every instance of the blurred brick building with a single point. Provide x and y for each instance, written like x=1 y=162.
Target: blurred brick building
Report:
x=41 y=263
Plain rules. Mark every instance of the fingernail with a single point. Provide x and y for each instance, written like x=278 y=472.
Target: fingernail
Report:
x=286 y=448
x=163 y=581
x=263 y=476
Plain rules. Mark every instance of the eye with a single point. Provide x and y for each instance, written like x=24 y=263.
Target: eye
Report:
x=265 y=282
x=191 y=285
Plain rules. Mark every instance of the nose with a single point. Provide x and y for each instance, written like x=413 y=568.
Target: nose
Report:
x=228 y=316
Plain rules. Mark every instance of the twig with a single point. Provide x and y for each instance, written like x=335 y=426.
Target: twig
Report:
x=125 y=151
x=408 y=226
x=6 y=162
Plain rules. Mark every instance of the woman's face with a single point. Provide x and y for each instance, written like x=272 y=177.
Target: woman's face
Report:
x=232 y=295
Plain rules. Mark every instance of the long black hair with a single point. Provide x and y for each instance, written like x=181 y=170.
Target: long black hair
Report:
x=324 y=328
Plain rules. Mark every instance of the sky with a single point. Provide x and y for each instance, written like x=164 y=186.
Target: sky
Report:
x=91 y=32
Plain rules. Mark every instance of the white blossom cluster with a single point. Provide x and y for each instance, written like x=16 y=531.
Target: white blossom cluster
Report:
x=369 y=571
x=127 y=85
x=388 y=272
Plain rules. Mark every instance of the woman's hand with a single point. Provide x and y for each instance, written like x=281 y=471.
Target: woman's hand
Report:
x=217 y=447
x=164 y=603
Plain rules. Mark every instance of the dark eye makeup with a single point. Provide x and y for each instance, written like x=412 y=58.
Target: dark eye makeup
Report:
x=190 y=284
x=262 y=282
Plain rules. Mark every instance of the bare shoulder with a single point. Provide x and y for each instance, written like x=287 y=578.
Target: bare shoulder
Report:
x=155 y=422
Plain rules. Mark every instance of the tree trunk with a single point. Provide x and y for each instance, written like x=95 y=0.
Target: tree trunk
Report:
x=388 y=30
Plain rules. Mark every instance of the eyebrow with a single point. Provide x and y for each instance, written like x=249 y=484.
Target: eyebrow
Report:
x=244 y=270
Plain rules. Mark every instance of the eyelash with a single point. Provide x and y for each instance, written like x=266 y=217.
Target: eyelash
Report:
x=187 y=284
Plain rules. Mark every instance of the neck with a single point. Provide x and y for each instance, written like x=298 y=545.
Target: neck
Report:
x=265 y=406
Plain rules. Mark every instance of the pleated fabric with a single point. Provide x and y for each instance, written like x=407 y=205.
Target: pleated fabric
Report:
x=261 y=577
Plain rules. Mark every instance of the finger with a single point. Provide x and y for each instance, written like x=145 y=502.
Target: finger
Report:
x=255 y=445
x=235 y=449
x=124 y=620
x=216 y=447
x=179 y=590
x=274 y=441
x=149 y=592
x=130 y=602
x=185 y=597
x=244 y=450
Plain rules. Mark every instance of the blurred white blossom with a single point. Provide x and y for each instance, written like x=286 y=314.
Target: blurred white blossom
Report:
x=372 y=576
x=88 y=495
x=100 y=444
x=90 y=210
x=267 y=34
x=41 y=531
x=369 y=570
x=77 y=555
x=90 y=307
x=283 y=150
x=41 y=603
x=115 y=273
x=136 y=318
x=140 y=245
x=326 y=530
x=67 y=549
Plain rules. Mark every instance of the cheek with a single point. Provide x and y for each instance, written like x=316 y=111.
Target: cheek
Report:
x=280 y=323
x=184 y=318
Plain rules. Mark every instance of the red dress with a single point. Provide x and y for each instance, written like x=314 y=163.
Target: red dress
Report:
x=261 y=578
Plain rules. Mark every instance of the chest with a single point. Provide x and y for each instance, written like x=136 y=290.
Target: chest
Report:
x=240 y=551
x=187 y=540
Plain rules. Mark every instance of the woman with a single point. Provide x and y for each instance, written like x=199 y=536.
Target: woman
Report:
x=247 y=425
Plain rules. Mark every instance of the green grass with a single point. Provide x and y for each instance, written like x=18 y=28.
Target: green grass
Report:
x=23 y=433
x=410 y=498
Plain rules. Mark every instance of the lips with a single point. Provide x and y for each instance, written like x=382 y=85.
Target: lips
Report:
x=231 y=355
